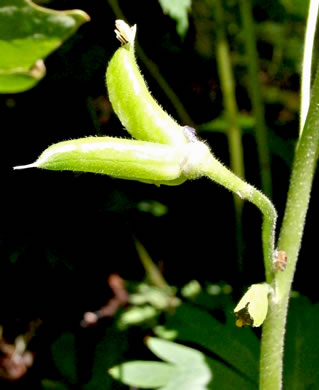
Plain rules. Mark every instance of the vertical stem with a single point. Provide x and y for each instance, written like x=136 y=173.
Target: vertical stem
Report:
x=307 y=61
x=255 y=93
x=234 y=133
x=290 y=240
x=228 y=89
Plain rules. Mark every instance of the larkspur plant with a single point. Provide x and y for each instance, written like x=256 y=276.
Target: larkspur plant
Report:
x=164 y=152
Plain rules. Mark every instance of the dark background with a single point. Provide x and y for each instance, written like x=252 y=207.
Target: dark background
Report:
x=62 y=233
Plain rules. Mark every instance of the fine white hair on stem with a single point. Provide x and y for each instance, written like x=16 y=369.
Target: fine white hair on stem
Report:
x=307 y=61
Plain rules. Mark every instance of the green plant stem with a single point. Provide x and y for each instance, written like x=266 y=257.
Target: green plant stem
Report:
x=234 y=133
x=155 y=73
x=255 y=93
x=291 y=232
x=220 y=174
x=152 y=272
x=307 y=61
x=228 y=90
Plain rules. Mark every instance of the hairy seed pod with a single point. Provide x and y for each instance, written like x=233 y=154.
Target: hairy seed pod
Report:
x=131 y=100
x=121 y=158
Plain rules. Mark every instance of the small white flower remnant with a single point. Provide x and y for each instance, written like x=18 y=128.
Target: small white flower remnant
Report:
x=124 y=33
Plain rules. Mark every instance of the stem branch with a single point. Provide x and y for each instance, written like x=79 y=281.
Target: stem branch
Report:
x=220 y=174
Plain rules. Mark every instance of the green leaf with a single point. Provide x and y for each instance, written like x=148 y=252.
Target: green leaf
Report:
x=65 y=356
x=252 y=308
x=177 y=10
x=28 y=34
x=238 y=347
x=144 y=374
x=191 y=289
x=173 y=352
x=160 y=299
x=47 y=384
x=153 y=207
x=296 y=7
x=109 y=351
x=221 y=124
x=186 y=369
x=227 y=379
x=137 y=315
x=301 y=355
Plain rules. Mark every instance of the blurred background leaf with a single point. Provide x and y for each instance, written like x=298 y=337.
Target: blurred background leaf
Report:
x=28 y=34
x=177 y=10
x=109 y=351
x=296 y=7
x=64 y=354
x=53 y=385
x=144 y=374
x=302 y=340
x=195 y=325
x=186 y=369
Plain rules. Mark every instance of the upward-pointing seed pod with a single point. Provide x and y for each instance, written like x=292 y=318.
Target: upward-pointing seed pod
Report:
x=164 y=152
x=137 y=110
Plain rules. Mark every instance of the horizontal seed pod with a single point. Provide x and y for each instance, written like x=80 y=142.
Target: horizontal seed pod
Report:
x=121 y=158
x=131 y=100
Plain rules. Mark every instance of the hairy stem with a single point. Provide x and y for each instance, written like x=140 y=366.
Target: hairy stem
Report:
x=228 y=90
x=307 y=61
x=220 y=174
x=290 y=240
x=234 y=133
x=255 y=93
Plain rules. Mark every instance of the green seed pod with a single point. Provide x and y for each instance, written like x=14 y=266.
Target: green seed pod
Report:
x=137 y=110
x=121 y=158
